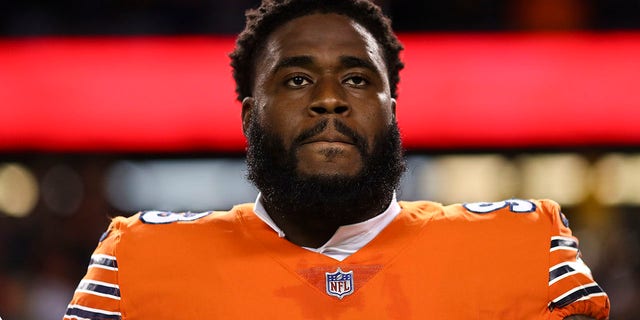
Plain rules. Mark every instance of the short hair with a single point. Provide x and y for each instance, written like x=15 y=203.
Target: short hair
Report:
x=271 y=14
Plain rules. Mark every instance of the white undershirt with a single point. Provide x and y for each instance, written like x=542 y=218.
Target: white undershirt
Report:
x=347 y=239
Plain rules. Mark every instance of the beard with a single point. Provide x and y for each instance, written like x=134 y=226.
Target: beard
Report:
x=314 y=200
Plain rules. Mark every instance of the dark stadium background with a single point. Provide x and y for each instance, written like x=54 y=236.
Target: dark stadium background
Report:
x=56 y=201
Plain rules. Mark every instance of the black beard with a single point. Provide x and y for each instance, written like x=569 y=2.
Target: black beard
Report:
x=324 y=200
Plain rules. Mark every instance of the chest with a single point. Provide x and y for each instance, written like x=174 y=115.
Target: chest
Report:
x=437 y=274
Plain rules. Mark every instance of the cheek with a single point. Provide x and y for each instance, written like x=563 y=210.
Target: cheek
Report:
x=280 y=123
x=375 y=124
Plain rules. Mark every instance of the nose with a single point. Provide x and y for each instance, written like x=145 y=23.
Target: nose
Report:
x=329 y=97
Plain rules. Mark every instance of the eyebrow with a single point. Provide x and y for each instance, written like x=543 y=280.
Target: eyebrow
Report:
x=305 y=61
x=295 y=61
x=355 y=62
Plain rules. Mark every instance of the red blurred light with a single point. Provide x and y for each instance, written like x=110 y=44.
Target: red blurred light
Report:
x=457 y=91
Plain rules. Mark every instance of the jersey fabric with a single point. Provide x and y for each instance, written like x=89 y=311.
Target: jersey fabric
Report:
x=513 y=259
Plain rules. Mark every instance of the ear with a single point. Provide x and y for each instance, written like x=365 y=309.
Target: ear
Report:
x=247 y=108
x=393 y=106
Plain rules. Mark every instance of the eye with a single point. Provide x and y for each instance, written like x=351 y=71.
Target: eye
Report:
x=356 y=81
x=297 y=82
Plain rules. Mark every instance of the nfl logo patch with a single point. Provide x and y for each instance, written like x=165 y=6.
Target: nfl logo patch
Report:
x=339 y=284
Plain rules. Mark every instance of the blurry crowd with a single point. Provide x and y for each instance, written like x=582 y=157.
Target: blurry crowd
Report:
x=44 y=255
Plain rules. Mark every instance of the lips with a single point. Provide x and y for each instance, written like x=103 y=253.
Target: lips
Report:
x=332 y=136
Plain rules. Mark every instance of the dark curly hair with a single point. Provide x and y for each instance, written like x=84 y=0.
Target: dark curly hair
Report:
x=273 y=13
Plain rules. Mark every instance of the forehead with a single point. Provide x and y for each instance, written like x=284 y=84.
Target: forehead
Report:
x=323 y=35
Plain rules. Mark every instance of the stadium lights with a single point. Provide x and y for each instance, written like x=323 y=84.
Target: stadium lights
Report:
x=18 y=190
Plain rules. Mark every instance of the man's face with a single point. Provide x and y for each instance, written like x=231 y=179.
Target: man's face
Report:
x=321 y=86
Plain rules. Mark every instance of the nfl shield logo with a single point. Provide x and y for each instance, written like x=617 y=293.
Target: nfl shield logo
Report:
x=339 y=284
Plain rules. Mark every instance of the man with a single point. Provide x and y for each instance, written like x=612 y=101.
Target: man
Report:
x=326 y=237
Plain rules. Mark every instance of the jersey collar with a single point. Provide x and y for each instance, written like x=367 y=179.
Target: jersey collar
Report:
x=348 y=238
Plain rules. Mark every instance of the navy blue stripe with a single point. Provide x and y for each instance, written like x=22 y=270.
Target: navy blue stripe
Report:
x=104 y=261
x=560 y=271
x=104 y=235
x=575 y=296
x=91 y=315
x=563 y=243
x=99 y=288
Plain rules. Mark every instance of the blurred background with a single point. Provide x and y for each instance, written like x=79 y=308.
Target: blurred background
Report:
x=156 y=134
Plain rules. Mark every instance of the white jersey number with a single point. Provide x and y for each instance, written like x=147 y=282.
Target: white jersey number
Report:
x=163 y=217
x=515 y=205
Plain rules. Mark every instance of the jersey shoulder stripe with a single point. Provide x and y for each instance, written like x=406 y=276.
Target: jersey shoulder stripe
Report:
x=100 y=288
x=103 y=261
x=572 y=289
x=560 y=271
x=76 y=311
x=98 y=293
x=563 y=243
x=581 y=292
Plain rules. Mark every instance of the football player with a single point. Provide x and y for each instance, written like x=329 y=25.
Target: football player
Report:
x=326 y=237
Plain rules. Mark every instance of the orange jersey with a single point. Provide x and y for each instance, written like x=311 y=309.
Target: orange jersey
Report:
x=513 y=259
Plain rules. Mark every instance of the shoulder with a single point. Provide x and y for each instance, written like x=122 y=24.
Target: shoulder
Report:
x=543 y=216
x=538 y=211
x=513 y=205
x=154 y=221
x=150 y=235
